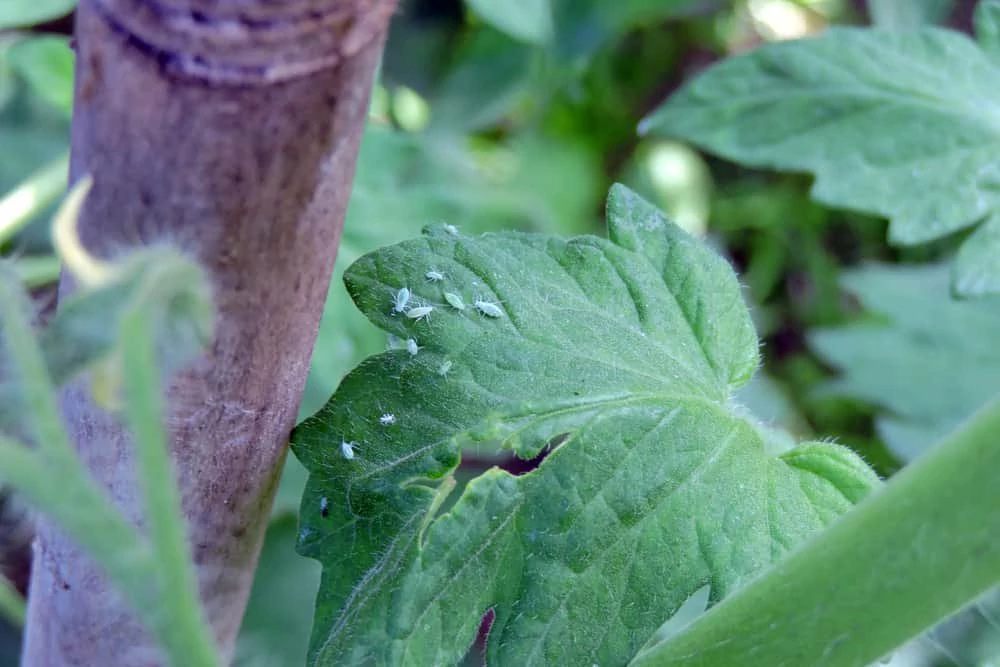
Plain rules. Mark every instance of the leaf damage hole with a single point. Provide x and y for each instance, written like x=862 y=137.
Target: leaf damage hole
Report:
x=510 y=462
x=476 y=656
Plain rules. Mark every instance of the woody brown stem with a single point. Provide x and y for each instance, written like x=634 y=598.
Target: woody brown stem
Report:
x=230 y=128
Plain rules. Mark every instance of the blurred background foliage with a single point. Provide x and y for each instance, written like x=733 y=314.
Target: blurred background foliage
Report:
x=493 y=114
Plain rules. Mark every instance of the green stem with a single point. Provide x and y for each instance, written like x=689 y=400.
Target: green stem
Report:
x=914 y=552
x=28 y=199
x=187 y=634
x=51 y=477
x=83 y=511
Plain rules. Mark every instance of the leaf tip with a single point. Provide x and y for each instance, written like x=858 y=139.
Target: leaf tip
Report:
x=627 y=209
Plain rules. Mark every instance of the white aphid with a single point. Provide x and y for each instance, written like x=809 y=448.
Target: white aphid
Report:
x=419 y=312
x=451 y=229
x=488 y=308
x=388 y=419
x=454 y=300
x=401 y=299
x=347 y=449
x=434 y=276
x=444 y=367
x=412 y=347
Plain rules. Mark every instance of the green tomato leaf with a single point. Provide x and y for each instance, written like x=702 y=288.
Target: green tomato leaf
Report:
x=489 y=74
x=46 y=64
x=405 y=181
x=526 y=20
x=976 y=269
x=987 y=25
x=585 y=26
x=908 y=14
x=929 y=361
x=898 y=124
x=616 y=356
x=23 y=13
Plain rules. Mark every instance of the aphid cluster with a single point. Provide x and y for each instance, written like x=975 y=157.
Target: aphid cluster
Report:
x=420 y=311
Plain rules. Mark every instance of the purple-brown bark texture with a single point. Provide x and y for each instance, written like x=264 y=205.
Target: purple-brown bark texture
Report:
x=230 y=128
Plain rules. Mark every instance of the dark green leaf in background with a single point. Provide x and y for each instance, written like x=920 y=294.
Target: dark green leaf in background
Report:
x=908 y=14
x=901 y=124
x=928 y=360
x=489 y=73
x=629 y=347
x=23 y=13
x=46 y=64
x=275 y=629
x=584 y=26
x=527 y=20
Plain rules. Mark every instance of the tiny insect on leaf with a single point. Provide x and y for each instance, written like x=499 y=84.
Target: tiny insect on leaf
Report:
x=488 y=308
x=401 y=299
x=420 y=312
x=454 y=300
x=347 y=449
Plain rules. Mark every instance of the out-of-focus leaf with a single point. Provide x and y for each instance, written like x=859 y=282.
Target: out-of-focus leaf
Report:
x=908 y=14
x=977 y=267
x=527 y=20
x=46 y=63
x=275 y=630
x=584 y=26
x=23 y=13
x=899 y=124
x=928 y=360
x=489 y=73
